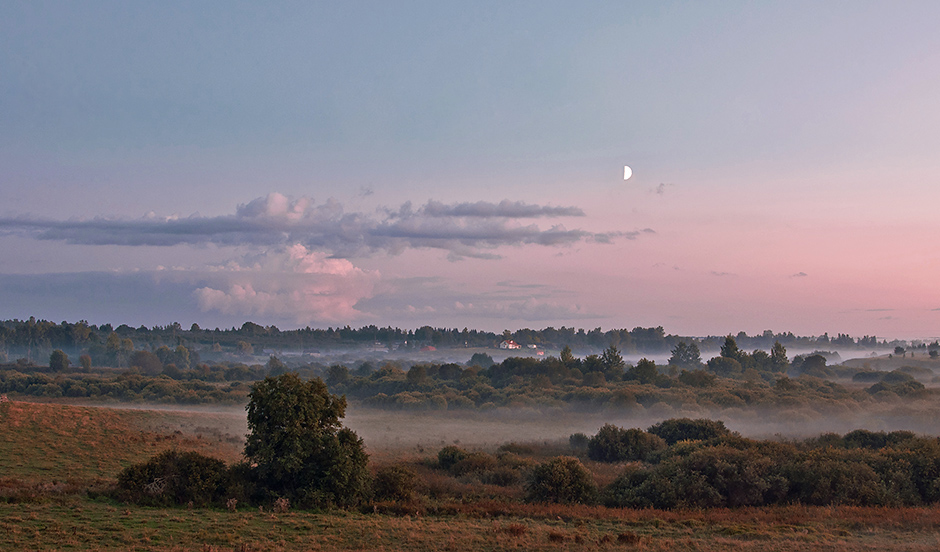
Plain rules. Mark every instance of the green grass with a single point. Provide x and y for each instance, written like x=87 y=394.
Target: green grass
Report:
x=50 y=455
x=83 y=524
x=49 y=442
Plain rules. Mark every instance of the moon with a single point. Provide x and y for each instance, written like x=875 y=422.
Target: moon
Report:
x=627 y=172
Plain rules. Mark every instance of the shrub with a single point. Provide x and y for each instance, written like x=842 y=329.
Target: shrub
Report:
x=241 y=484
x=562 y=480
x=724 y=366
x=830 y=478
x=503 y=476
x=395 y=483
x=516 y=448
x=897 y=376
x=902 y=389
x=475 y=462
x=615 y=444
x=697 y=378
x=173 y=477
x=862 y=438
x=58 y=361
x=686 y=429
x=578 y=441
x=450 y=455
x=709 y=477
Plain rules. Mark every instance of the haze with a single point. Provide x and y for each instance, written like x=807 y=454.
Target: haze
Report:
x=457 y=165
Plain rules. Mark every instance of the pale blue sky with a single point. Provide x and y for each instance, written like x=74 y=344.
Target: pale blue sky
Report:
x=766 y=139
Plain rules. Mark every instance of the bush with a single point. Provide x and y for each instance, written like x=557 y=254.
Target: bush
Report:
x=394 y=483
x=173 y=477
x=830 y=478
x=562 y=480
x=614 y=444
x=709 y=477
x=475 y=462
x=697 y=378
x=686 y=429
x=450 y=455
x=578 y=441
x=503 y=476
x=58 y=361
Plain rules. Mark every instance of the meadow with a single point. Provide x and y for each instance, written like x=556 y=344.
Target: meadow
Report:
x=58 y=462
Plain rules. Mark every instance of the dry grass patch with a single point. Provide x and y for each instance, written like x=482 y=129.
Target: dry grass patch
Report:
x=53 y=443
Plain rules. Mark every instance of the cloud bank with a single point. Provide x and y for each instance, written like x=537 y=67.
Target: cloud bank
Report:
x=461 y=229
x=295 y=258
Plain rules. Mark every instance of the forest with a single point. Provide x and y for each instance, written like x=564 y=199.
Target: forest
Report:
x=34 y=340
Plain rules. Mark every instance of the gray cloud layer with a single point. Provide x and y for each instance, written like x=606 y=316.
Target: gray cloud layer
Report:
x=462 y=229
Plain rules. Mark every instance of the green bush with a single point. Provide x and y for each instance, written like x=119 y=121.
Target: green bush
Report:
x=450 y=455
x=475 y=462
x=708 y=477
x=173 y=477
x=562 y=480
x=578 y=441
x=503 y=476
x=615 y=444
x=697 y=378
x=833 y=477
x=394 y=483
x=686 y=429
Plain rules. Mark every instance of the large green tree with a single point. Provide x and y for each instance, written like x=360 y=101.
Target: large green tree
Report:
x=299 y=446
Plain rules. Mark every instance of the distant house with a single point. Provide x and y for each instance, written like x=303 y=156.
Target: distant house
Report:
x=427 y=348
x=509 y=344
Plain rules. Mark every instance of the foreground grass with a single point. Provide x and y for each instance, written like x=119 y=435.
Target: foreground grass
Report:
x=83 y=524
x=51 y=455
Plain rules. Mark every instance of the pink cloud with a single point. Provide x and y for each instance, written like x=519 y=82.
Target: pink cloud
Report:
x=294 y=282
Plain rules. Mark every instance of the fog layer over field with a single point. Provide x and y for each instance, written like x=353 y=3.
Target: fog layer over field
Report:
x=391 y=430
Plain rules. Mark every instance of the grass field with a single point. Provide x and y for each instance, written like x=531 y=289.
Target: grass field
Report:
x=49 y=443
x=51 y=455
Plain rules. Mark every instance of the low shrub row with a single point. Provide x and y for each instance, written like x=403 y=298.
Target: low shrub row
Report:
x=686 y=463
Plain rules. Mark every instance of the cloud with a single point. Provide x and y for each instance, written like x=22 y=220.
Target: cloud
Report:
x=505 y=208
x=293 y=282
x=799 y=275
x=311 y=289
x=519 y=285
x=878 y=310
x=463 y=229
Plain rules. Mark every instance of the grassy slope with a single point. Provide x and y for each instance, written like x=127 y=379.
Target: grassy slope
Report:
x=41 y=443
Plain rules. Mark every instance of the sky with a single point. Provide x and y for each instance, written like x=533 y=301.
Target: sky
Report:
x=460 y=164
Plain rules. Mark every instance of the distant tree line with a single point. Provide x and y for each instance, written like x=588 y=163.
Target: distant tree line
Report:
x=34 y=340
x=734 y=378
